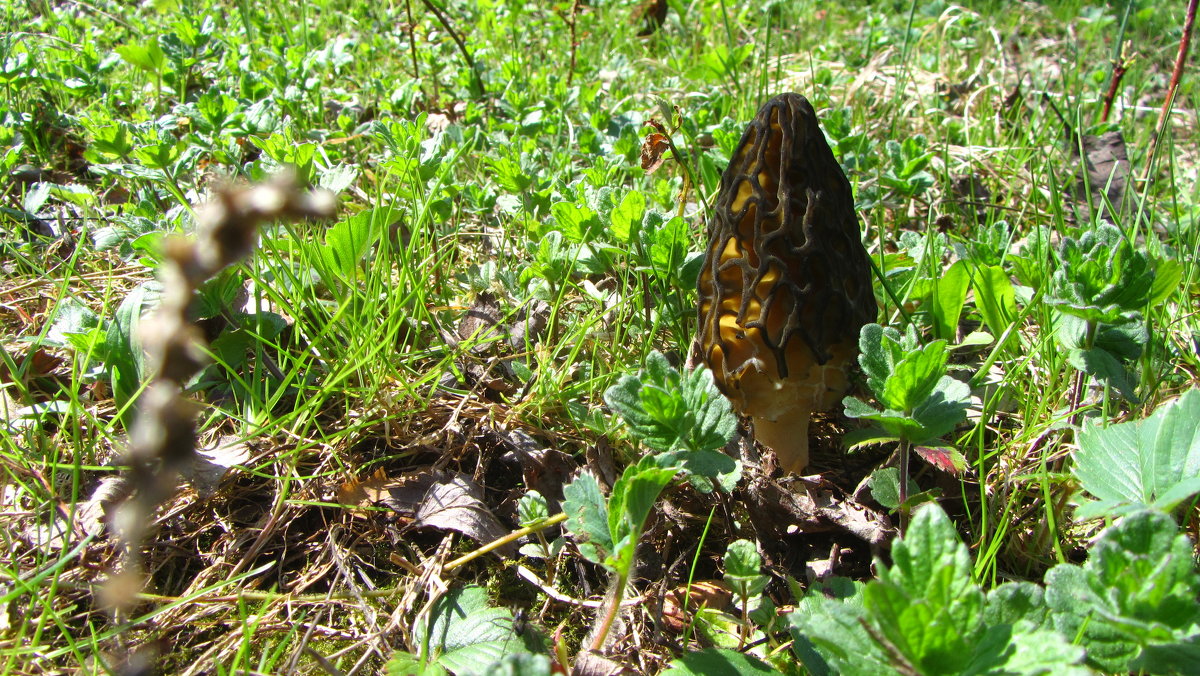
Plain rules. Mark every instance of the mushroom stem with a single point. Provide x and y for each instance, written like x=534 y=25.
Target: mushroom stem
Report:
x=787 y=435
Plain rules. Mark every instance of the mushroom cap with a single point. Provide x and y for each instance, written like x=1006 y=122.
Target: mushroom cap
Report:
x=786 y=282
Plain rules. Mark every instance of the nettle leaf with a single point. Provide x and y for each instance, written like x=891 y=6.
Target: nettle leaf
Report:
x=914 y=377
x=1101 y=277
x=465 y=635
x=670 y=412
x=718 y=661
x=1137 y=592
x=1021 y=605
x=1154 y=462
x=587 y=517
x=926 y=603
x=927 y=614
x=830 y=634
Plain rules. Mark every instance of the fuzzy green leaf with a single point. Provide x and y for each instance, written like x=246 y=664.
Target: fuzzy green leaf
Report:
x=669 y=412
x=1101 y=277
x=1153 y=462
x=587 y=517
x=1137 y=590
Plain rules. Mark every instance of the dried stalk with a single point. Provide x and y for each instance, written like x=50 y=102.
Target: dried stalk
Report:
x=163 y=439
x=1176 y=75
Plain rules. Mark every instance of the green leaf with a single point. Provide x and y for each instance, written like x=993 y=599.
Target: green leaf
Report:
x=743 y=569
x=148 y=57
x=577 y=222
x=1105 y=367
x=1101 y=278
x=1138 y=590
x=914 y=377
x=885 y=487
x=532 y=508
x=1153 y=462
x=995 y=298
x=633 y=496
x=1019 y=604
x=347 y=242
x=126 y=360
x=465 y=635
x=712 y=661
x=627 y=217
x=948 y=293
x=587 y=517
x=670 y=412
x=669 y=247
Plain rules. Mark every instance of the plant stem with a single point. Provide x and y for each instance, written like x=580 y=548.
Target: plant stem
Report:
x=905 y=447
x=611 y=609
x=462 y=47
x=1176 y=75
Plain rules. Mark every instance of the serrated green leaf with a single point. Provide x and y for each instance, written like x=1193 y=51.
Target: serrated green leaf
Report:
x=633 y=496
x=1019 y=604
x=1138 y=589
x=914 y=377
x=587 y=517
x=1144 y=462
x=718 y=661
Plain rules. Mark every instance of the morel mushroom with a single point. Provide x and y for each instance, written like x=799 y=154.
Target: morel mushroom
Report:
x=786 y=282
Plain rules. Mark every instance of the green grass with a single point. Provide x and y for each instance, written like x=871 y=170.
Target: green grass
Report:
x=117 y=120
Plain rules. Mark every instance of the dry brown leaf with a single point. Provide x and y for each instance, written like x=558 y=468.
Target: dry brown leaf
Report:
x=703 y=594
x=454 y=502
x=653 y=149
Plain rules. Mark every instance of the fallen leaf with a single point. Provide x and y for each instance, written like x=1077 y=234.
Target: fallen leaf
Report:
x=209 y=466
x=1106 y=171
x=944 y=458
x=676 y=615
x=455 y=502
x=652 y=151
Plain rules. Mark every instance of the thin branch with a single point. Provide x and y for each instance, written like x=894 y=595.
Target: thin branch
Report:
x=1176 y=75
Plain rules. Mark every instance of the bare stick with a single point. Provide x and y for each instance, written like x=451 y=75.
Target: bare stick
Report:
x=1176 y=75
x=462 y=47
x=1119 y=68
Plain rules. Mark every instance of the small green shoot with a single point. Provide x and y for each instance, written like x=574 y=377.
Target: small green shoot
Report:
x=920 y=402
x=1100 y=288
